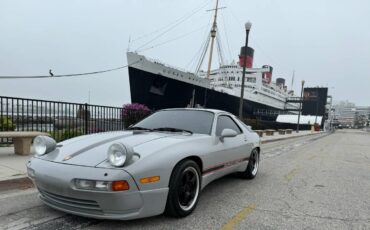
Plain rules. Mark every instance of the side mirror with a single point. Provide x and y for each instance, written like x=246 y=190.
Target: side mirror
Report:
x=228 y=133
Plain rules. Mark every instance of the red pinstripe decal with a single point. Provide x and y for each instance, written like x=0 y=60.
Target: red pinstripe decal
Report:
x=223 y=165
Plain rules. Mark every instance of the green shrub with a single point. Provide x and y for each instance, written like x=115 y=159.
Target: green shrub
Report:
x=70 y=133
x=61 y=135
x=254 y=123
x=6 y=124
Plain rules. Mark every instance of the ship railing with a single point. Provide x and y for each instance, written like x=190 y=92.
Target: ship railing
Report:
x=294 y=100
x=267 y=112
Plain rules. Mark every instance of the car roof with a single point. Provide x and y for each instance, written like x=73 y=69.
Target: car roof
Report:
x=216 y=111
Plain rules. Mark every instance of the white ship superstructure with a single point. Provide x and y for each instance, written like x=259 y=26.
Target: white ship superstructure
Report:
x=227 y=79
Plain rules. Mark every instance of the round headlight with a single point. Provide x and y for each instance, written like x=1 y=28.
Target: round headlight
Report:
x=117 y=154
x=43 y=144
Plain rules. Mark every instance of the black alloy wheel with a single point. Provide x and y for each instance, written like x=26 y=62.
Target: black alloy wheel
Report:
x=253 y=165
x=184 y=189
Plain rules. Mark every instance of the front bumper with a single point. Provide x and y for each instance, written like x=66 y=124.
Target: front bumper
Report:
x=54 y=181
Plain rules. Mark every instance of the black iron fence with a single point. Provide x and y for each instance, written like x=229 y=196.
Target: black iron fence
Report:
x=62 y=120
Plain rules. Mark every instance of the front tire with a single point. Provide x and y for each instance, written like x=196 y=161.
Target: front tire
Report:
x=253 y=165
x=184 y=189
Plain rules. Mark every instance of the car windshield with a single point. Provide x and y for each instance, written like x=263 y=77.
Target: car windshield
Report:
x=188 y=120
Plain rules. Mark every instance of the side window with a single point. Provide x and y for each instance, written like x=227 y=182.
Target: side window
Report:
x=225 y=122
x=246 y=126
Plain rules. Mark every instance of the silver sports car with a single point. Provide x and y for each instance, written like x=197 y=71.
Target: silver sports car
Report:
x=160 y=165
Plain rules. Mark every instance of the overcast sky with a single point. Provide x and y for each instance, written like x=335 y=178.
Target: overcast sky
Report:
x=326 y=42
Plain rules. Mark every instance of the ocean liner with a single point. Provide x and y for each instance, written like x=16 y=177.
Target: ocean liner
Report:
x=159 y=86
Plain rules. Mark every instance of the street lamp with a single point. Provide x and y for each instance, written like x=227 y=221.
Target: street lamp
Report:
x=300 y=106
x=248 y=26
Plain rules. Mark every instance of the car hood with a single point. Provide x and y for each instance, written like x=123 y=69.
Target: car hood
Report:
x=90 y=150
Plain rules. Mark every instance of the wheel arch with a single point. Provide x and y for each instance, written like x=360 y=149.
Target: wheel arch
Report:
x=194 y=158
x=258 y=149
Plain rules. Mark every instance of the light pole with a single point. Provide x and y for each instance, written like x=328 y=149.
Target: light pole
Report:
x=300 y=106
x=248 y=26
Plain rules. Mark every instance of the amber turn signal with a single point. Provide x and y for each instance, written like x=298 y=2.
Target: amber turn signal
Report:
x=150 y=179
x=120 y=185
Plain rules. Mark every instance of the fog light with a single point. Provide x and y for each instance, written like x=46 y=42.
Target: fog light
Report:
x=85 y=184
x=91 y=185
x=101 y=185
x=120 y=185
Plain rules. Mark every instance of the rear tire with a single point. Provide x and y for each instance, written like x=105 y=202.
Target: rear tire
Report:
x=184 y=189
x=253 y=165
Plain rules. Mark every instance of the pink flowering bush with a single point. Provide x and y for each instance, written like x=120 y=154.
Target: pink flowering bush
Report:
x=133 y=113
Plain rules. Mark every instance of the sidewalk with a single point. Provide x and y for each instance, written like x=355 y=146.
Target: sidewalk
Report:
x=277 y=137
x=13 y=167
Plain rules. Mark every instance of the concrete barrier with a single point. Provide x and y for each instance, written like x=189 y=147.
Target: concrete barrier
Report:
x=270 y=132
x=288 y=131
x=259 y=132
x=22 y=140
x=281 y=131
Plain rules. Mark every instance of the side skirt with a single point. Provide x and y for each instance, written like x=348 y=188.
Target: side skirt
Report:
x=217 y=171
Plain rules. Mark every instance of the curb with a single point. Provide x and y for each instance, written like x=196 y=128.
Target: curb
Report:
x=21 y=183
x=287 y=138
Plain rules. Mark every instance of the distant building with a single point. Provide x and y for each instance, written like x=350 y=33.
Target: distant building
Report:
x=348 y=113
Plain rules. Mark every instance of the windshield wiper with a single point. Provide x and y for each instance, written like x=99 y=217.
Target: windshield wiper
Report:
x=169 y=129
x=139 y=128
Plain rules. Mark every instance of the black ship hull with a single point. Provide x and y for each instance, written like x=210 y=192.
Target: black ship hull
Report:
x=159 y=92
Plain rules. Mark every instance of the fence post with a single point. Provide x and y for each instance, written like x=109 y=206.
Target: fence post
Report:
x=86 y=118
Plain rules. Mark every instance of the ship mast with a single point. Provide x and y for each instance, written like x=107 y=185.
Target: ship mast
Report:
x=213 y=36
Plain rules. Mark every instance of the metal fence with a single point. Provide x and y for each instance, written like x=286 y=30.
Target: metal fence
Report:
x=62 y=120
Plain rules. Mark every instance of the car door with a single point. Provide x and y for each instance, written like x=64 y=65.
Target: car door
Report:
x=227 y=152
x=232 y=148
x=249 y=137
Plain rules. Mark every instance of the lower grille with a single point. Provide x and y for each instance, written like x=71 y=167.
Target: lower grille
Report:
x=72 y=204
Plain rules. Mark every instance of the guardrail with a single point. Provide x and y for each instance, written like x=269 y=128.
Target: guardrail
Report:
x=62 y=120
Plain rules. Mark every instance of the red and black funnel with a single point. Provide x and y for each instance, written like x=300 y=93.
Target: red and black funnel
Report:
x=246 y=60
x=267 y=77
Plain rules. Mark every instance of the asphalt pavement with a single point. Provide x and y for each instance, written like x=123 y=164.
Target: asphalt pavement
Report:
x=311 y=182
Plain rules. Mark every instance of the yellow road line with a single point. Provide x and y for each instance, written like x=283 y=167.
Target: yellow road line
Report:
x=291 y=174
x=239 y=217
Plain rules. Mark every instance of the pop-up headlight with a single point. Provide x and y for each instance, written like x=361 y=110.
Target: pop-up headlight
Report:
x=43 y=144
x=119 y=154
